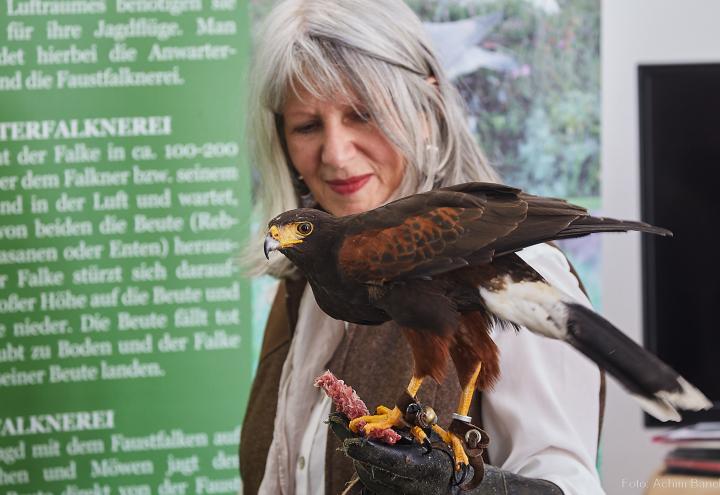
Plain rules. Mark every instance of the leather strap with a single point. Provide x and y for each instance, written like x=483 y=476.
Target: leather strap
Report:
x=475 y=441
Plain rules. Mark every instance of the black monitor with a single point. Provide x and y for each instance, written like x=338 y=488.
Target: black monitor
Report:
x=680 y=190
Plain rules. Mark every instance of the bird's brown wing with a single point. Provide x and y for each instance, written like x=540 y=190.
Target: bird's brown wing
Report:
x=429 y=233
x=546 y=219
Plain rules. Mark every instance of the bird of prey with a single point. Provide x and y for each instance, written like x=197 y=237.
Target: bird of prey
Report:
x=442 y=265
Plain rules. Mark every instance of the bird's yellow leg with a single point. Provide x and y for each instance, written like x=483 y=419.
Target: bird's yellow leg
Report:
x=463 y=407
x=386 y=417
x=414 y=386
x=466 y=395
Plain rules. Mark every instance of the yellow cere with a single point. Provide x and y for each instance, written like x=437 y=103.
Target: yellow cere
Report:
x=286 y=235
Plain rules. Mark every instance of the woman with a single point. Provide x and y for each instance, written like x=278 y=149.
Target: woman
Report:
x=349 y=110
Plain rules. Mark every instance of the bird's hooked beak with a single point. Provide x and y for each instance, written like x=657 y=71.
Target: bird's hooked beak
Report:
x=271 y=244
x=279 y=238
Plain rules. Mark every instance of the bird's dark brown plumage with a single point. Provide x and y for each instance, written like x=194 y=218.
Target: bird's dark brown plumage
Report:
x=424 y=260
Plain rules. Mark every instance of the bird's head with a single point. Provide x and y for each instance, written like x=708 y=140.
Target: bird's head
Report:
x=296 y=233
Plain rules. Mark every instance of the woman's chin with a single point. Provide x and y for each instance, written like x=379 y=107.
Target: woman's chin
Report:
x=344 y=210
x=350 y=204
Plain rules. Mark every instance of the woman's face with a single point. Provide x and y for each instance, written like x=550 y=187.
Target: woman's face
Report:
x=347 y=162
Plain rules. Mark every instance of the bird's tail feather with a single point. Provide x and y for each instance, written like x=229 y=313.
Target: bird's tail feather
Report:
x=659 y=389
x=589 y=224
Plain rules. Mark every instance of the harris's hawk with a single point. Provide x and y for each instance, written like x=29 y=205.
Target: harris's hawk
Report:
x=442 y=265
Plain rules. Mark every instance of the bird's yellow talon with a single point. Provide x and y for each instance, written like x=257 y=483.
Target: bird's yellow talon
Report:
x=461 y=458
x=390 y=419
x=367 y=419
x=382 y=410
x=444 y=435
x=418 y=434
x=421 y=438
x=457 y=447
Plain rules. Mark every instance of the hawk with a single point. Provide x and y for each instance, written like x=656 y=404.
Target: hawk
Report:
x=442 y=265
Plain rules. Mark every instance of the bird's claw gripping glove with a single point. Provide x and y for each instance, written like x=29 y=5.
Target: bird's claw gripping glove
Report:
x=410 y=469
x=474 y=440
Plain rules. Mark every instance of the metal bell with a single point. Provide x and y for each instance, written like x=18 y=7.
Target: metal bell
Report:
x=426 y=417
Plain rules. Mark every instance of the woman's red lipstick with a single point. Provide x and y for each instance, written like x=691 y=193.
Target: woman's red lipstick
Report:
x=349 y=185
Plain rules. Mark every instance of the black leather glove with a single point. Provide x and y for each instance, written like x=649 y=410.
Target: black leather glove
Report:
x=409 y=469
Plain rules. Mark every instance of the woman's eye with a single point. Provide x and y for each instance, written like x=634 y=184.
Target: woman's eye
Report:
x=305 y=128
x=362 y=116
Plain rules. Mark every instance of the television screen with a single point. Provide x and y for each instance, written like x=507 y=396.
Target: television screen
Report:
x=680 y=182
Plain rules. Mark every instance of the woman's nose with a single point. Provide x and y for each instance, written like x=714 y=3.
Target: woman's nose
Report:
x=338 y=145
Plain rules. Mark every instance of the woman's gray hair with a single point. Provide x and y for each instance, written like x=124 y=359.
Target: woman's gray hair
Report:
x=374 y=51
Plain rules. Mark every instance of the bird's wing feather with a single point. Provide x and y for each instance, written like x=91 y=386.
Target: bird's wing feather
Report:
x=546 y=218
x=429 y=233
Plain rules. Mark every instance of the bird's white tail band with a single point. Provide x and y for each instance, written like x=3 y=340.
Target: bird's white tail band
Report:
x=545 y=310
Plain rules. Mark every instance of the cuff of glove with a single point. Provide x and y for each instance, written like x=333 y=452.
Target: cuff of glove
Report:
x=496 y=482
x=500 y=482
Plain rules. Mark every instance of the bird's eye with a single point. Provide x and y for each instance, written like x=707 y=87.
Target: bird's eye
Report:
x=304 y=228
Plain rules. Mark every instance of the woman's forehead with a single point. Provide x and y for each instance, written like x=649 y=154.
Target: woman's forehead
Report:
x=299 y=98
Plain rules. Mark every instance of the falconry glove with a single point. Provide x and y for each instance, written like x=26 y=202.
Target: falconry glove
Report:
x=410 y=469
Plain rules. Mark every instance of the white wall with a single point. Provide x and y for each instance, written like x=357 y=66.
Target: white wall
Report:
x=636 y=32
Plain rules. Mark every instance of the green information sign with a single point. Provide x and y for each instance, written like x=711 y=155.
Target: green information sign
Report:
x=125 y=347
